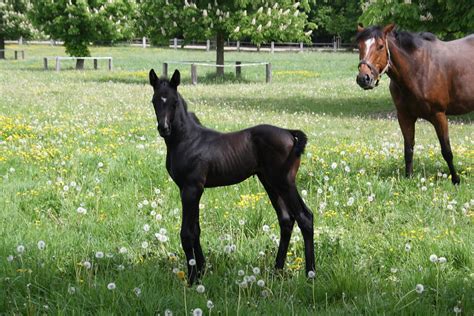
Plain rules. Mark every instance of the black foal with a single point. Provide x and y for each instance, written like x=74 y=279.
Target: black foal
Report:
x=198 y=157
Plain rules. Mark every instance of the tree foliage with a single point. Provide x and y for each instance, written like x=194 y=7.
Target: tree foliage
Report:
x=13 y=20
x=448 y=19
x=79 y=22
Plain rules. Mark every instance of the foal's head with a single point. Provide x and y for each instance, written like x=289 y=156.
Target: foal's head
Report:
x=374 y=54
x=165 y=100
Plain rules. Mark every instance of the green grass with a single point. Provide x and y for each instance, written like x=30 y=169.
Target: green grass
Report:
x=57 y=129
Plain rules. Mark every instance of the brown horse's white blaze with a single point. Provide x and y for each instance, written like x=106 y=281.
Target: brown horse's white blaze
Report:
x=429 y=79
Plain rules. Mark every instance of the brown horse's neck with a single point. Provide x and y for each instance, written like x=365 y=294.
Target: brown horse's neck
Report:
x=403 y=65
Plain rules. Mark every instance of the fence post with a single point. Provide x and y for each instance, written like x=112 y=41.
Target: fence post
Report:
x=272 y=47
x=238 y=69
x=301 y=46
x=165 y=70
x=110 y=63
x=334 y=44
x=238 y=46
x=95 y=63
x=208 y=45
x=268 y=76
x=20 y=40
x=175 y=43
x=58 y=64
x=16 y=54
x=144 y=42
x=193 y=74
x=45 y=63
x=22 y=54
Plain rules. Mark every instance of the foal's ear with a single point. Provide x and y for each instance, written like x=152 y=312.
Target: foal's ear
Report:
x=153 y=78
x=388 y=28
x=176 y=79
x=360 y=27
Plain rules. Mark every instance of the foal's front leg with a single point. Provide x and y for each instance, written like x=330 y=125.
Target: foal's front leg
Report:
x=190 y=230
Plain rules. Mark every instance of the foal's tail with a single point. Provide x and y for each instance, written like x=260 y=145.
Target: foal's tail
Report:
x=300 y=141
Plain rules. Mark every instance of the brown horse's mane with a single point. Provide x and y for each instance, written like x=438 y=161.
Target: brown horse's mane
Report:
x=408 y=41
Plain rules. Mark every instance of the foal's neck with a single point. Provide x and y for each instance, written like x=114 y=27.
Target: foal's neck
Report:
x=184 y=126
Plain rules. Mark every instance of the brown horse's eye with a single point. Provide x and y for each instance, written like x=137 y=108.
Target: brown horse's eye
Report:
x=380 y=47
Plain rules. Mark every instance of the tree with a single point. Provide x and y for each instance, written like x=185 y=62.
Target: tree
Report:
x=448 y=19
x=13 y=22
x=79 y=22
x=259 y=21
x=336 y=17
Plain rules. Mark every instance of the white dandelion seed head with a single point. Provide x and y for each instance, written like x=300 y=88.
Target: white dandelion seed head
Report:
x=10 y=258
x=210 y=304
x=146 y=227
x=419 y=288
x=168 y=312
x=41 y=245
x=145 y=244
x=407 y=246
x=243 y=284
x=111 y=286
x=261 y=283
x=457 y=310
x=123 y=250
x=240 y=273
x=87 y=264
x=154 y=204
x=192 y=262
x=100 y=164
x=197 y=312
x=137 y=291
x=71 y=290
x=99 y=255
x=158 y=217
x=442 y=260
x=256 y=270
x=81 y=210
x=334 y=165
x=20 y=249
x=434 y=258
x=311 y=274
x=304 y=192
x=266 y=228
x=200 y=288
x=140 y=206
x=241 y=222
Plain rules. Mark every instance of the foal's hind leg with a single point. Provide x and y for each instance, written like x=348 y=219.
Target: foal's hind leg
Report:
x=440 y=123
x=285 y=220
x=304 y=218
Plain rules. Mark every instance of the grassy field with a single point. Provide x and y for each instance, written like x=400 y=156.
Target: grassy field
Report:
x=90 y=218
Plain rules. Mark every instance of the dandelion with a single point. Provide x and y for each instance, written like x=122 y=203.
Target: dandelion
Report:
x=123 y=250
x=140 y=206
x=145 y=244
x=20 y=249
x=154 y=204
x=304 y=192
x=111 y=286
x=333 y=165
x=100 y=165
x=261 y=283
x=256 y=270
x=10 y=258
x=350 y=202
x=240 y=273
x=407 y=247
x=158 y=217
x=200 y=288
x=81 y=210
x=311 y=274
x=87 y=265
x=41 y=245
x=434 y=258
x=442 y=260
x=71 y=290
x=197 y=312
x=457 y=310
x=146 y=227
x=66 y=188
x=243 y=284
x=419 y=288
x=242 y=222
x=266 y=228
x=210 y=304
x=347 y=169
x=264 y=293
x=99 y=255
x=192 y=262
x=137 y=291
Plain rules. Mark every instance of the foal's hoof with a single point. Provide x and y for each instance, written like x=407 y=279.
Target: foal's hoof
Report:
x=456 y=180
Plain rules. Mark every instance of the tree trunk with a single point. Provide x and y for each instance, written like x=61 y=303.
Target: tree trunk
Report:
x=80 y=64
x=2 y=47
x=220 y=54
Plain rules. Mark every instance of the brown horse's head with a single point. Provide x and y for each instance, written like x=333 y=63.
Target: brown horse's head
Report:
x=374 y=54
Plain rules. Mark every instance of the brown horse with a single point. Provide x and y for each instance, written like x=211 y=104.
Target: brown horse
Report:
x=429 y=79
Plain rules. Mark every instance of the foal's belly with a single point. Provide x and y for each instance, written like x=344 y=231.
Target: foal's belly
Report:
x=218 y=179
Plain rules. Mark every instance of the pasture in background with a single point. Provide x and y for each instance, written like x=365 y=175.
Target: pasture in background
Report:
x=91 y=219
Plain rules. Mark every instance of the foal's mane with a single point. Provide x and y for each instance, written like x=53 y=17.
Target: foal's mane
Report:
x=408 y=41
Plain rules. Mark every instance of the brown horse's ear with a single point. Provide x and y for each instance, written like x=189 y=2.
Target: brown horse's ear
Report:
x=176 y=79
x=153 y=78
x=360 y=27
x=388 y=28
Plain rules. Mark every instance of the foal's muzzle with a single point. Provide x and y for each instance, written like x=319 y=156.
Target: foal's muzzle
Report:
x=164 y=130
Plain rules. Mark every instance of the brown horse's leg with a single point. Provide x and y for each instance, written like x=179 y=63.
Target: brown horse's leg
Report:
x=407 y=125
x=190 y=196
x=440 y=123
x=285 y=219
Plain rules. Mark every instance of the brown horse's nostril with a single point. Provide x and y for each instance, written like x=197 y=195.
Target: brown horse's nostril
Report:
x=367 y=78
